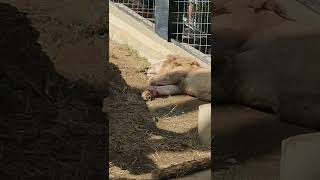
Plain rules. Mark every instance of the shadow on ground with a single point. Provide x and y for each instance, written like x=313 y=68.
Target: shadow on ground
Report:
x=132 y=128
x=178 y=107
x=50 y=128
x=245 y=134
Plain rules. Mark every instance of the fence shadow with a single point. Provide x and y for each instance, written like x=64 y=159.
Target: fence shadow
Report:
x=50 y=128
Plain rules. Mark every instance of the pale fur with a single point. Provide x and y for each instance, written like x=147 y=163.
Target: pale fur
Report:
x=179 y=75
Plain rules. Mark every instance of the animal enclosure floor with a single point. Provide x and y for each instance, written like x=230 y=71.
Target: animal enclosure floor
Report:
x=144 y=136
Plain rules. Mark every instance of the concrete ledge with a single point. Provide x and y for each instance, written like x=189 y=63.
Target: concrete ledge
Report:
x=125 y=29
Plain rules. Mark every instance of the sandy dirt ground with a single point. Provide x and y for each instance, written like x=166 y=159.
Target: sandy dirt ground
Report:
x=144 y=136
x=52 y=84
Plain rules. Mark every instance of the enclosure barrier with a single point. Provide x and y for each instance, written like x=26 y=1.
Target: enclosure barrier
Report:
x=187 y=23
x=191 y=23
x=140 y=9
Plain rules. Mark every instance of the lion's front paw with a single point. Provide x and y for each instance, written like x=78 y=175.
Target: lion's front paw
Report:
x=147 y=95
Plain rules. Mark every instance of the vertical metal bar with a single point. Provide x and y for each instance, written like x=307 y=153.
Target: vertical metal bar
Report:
x=178 y=17
x=208 y=25
x=194 y=21
x=185 y=5
x=170 y=19
x=200 y=26
x=162 y=18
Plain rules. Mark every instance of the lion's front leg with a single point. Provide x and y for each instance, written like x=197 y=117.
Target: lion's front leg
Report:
x=158 y=91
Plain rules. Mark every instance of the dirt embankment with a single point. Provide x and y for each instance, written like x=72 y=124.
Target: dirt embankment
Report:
x=52 y=82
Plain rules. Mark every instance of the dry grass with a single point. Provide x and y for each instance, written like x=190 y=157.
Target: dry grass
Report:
x=142 y=62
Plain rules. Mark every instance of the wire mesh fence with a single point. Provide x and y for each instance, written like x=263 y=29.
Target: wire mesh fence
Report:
x=191 y=23
x=143 y=8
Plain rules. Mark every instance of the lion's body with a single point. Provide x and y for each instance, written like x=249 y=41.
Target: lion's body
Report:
x=179 y=75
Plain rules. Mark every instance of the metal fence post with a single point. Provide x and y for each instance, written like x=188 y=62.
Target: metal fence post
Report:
x=162 y=19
